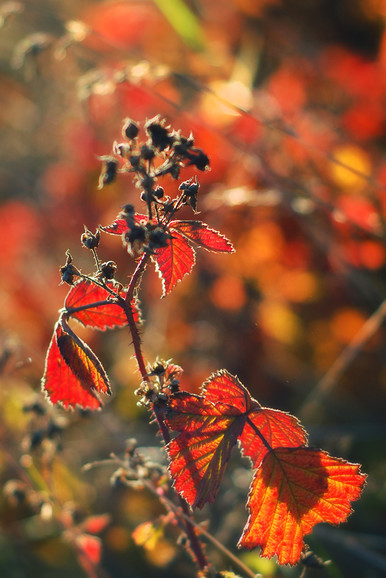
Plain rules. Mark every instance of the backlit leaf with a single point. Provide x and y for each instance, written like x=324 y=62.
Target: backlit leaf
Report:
x=100 y=317
x=210 y=426
x=279 y=429
x=294 y=486
x=73 y=374
x=294 y=489
x=177 y=259
x=174 y=261
x=117 y=227
x=198 y=461
x=200 y=234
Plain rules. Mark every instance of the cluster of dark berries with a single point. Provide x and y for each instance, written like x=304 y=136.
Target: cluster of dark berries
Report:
x=142 y=235
x=165 y=151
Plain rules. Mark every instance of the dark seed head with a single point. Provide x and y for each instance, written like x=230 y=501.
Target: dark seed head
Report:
x=108 y=172
x=130 y=129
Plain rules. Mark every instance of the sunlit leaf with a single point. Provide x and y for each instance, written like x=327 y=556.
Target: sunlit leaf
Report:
x=277 y=428
x=294 y=489
x=200 y=234
x=210 y=426
x=100 y=317
x=73 y=375
x=177 y=259
x=117 y=227
x=294 y=486
x=174 y=261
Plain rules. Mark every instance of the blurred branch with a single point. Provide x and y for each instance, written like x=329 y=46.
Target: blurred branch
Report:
x=354 y=544
x=312 y=404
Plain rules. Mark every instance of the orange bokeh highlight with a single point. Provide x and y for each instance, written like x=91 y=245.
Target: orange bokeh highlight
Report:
x=346 y=323
x=228 y=293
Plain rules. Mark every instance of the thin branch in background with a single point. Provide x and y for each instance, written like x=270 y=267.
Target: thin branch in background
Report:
x=311 y=407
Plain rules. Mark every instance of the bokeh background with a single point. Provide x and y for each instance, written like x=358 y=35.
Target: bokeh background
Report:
x=288 y=100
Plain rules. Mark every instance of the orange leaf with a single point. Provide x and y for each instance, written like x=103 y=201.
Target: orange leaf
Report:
x=294 y=489
x=278 y=428
x=73 y=374
x=198 y=461
x=210 y=426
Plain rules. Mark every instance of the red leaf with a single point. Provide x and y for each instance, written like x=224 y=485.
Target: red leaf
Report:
x=294 y=486
x=279 y=429
x=203 y=236
x=209 y=427
x=294 y=489
x=117 y=227
x=90 y=546
x=73 y=374
x=95 y=524
x=174 y=261
x=209 y=431
x=198 y=461
x=100 y=317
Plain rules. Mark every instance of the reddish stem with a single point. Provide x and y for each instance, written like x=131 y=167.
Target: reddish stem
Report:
x=137 y=276
x=195 y=543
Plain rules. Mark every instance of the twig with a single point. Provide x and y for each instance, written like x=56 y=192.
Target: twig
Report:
x=202 y=531
x=195 y=543
x=311 y=405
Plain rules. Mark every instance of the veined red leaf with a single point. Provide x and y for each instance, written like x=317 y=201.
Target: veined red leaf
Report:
x=277 y=428
x=200 y=234
x=100 y=317
x=73 y=374
x=174 y=261
x=198 y=461
x=177 y=259
x=209 y=426
x=292 y=490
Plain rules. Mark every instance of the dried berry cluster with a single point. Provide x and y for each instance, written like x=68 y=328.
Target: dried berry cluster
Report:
x=164 y=152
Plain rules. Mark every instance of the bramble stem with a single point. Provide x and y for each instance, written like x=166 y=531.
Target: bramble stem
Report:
x=136 y=277
x=136 y=343
x=195 y=543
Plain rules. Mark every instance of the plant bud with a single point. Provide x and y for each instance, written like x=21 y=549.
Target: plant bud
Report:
x=108 y=269
x=130 y=129
x=90 y=240
x=109 y=171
